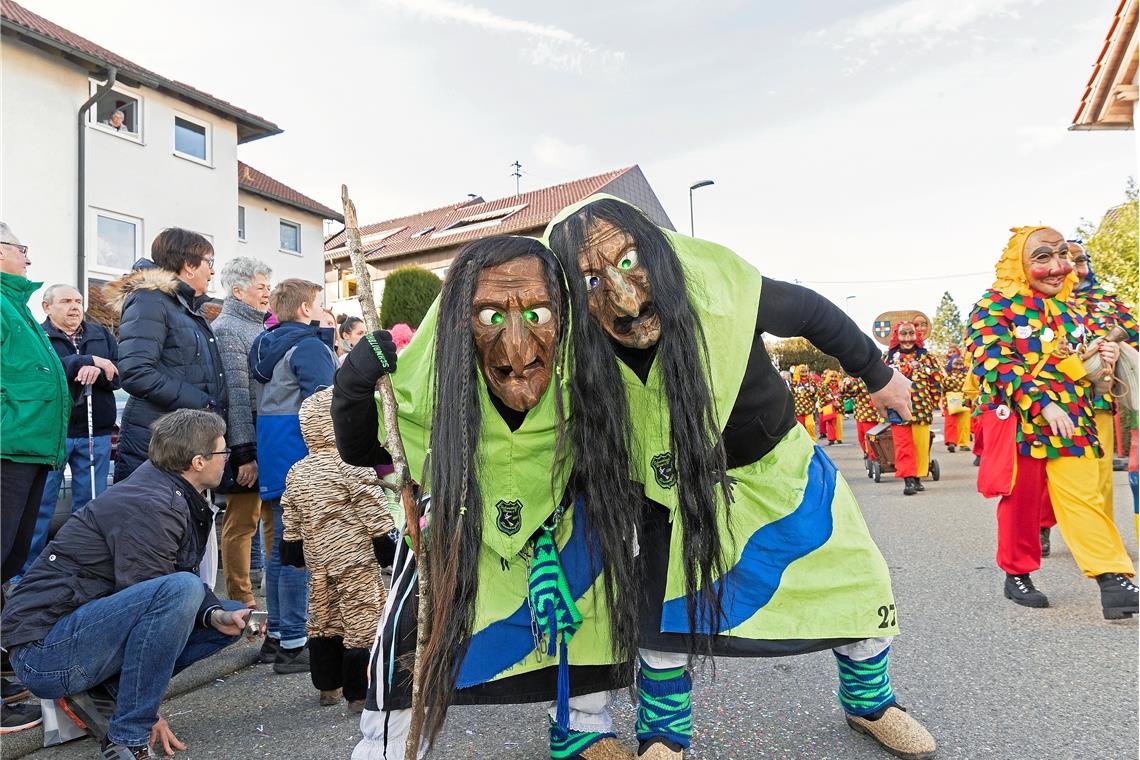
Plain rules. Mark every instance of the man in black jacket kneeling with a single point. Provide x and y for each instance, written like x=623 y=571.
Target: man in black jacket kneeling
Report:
x=113 y=606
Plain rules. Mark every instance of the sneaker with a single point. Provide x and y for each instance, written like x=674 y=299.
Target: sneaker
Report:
x=1118 y=596
x=92 y=710
x=13 y=691
x=1046 y=547
x=291 y=660
x=19 y=717
x=268 y=652
x=897 y=733
x=329 y=697
x=1021 y=590
x=110 y=751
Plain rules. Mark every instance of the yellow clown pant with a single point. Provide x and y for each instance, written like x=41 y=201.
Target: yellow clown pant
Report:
x=808 y=421
x=1086 y=525
x=921 y=435
x=1104 y=431
x=963 y=428
x=839 y=426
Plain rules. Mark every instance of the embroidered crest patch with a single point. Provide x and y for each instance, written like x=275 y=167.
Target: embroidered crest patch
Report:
x=509 y=520
x=664 y=471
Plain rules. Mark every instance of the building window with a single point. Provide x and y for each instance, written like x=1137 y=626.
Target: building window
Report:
x=117 y=241
x=192 y=139
x=290 y=237
x=479 y=221
x=241 y=222
x=119 y=113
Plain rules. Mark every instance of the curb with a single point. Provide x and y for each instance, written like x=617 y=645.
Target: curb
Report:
x=230 y=660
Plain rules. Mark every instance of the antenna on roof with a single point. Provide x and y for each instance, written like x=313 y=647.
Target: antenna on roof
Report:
x=517 y=174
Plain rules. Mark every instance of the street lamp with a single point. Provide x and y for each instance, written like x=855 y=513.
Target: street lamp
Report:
x=692 y=187
x=847 y=305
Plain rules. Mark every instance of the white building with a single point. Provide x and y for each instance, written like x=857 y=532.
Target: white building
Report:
x=171 y=163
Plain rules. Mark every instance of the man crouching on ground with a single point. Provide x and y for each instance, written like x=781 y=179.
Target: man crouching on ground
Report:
x=113 y=606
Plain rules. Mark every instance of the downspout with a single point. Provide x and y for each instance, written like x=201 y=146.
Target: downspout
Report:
x=81 y=271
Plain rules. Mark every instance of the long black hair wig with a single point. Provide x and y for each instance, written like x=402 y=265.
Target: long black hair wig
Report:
x=588 y=436
x=695 y=435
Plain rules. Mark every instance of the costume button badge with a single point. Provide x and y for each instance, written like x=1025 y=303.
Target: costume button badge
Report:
x=1047 y=335
x=1023 y=331
x=1002 y=412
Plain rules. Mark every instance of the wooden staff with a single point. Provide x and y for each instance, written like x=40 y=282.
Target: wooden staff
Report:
x=395 y=446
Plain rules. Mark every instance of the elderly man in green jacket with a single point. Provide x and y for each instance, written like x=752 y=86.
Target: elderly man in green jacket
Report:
x=36 y=405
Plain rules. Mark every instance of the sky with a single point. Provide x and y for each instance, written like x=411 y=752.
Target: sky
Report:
x=874 y=149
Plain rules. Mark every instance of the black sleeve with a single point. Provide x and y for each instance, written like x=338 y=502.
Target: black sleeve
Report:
x=790 y=311
x=356 y=422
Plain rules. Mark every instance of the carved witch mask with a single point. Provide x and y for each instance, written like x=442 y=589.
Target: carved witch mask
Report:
x=516 y=331
x=619 y=293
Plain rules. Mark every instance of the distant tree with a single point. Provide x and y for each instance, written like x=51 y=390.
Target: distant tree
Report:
x=408 y=293
x=788 y=352
x=1113 y=246
x=948 y=327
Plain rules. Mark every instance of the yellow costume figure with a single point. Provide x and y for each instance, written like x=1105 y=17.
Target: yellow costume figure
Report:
x=1024 y=339
x=803 y=395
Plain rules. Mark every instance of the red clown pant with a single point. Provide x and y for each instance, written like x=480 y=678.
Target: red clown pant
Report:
x=861 y=429
x=906 y=463
x=976 y=429
x=955 y=428
x=829 y=427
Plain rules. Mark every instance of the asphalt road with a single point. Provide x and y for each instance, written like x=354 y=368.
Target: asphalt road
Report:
x=988 y=678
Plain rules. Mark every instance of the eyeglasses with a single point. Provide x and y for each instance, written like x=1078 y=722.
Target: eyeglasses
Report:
x=210 y=261
x=224 y=452
x=21 y=248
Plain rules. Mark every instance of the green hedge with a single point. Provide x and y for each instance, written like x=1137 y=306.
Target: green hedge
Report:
x=408 y=293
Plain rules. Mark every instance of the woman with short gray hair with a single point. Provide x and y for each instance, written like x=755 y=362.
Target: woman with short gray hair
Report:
x=246 y=282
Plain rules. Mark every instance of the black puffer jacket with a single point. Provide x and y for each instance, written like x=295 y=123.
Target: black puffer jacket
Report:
x=168 y=357
x=150 y=526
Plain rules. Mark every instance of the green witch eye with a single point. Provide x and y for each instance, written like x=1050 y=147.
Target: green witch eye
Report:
x=490 y=317
x=539 y=315
x=629 y=260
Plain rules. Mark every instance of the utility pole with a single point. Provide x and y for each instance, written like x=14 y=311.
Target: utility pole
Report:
x=517 y=174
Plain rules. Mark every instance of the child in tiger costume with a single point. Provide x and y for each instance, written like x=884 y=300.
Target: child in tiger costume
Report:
x=336 y=520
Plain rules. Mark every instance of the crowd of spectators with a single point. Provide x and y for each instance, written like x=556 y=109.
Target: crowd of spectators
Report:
x=101 y=615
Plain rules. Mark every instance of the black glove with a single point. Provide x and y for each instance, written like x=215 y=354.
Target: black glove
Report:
x=384 y=547
x=293 y=553
x=362 y=367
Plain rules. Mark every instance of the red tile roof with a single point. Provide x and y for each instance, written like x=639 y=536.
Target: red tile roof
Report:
x=253 y=181
x=538 y=208
x=1100 y=106
x=40 y=32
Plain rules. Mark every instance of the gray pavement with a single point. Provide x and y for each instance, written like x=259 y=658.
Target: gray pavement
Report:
x=988 y=678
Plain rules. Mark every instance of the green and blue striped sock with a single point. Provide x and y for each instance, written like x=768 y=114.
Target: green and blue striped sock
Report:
x=865 y=685
x=566 y=743
x=664 y=707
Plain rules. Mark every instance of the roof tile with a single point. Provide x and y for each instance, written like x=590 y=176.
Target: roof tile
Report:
x=253 y=181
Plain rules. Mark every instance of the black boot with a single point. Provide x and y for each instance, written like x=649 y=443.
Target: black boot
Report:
x=977 y=461
x=1021 y=590
x=908 y=487
x=1045 y=545
x=950 y=447
x=1118 y=596
x=918 y=486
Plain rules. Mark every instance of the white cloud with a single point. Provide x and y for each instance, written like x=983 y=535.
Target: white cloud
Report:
x=926 y=21
x=551 y=46
x=559 y=154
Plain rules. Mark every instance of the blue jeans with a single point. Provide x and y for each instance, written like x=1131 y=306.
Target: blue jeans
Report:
x=80 y=465
x=256 y=551
x=286 y=592
x=144 y=634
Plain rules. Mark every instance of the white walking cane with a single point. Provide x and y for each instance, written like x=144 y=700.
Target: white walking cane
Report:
x=90 y=440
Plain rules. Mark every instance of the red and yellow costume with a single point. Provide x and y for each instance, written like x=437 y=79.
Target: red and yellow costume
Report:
x=1100 y=311
x=829 y=402
x=956 y=426
x=803 y=396
x=865 y=413
x=912 y=440
x=1017 y=340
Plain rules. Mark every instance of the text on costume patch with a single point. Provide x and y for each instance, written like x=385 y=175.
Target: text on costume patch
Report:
x=664 y=471
x=509 y=520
